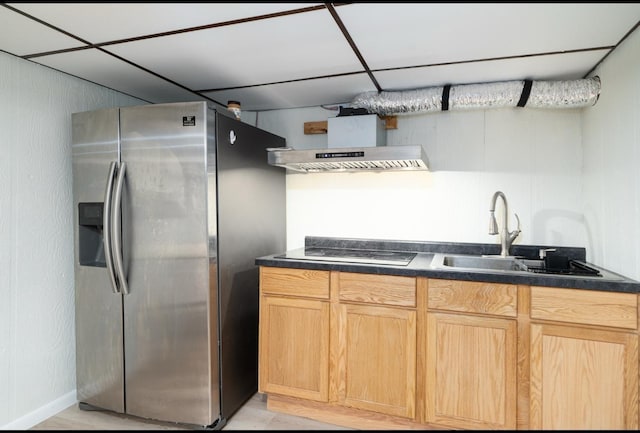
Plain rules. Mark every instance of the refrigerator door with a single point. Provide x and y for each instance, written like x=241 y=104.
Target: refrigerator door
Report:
x=171 y=370
x=99 y=354
x=251 y=223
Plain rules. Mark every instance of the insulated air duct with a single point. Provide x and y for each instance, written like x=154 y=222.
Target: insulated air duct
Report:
x=524 y=93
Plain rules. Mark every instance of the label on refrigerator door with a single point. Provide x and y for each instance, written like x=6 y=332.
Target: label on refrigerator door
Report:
x=189 y=121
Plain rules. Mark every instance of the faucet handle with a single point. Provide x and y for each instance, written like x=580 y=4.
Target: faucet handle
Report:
x=511 y=236
x=514 y=234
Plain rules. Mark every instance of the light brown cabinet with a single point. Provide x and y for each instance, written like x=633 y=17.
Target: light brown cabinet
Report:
x=376 y=344
x=471 y=360
x=583 y=377
x=392 y=352
x=294 y=333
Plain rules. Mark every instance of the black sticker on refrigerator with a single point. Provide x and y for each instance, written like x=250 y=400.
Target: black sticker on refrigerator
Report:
x=189 y=121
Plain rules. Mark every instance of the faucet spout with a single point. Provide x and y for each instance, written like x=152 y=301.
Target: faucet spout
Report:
x=506 y=237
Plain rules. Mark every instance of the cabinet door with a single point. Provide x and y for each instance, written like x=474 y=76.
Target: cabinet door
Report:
x=377 y=359
x=294 y=347
x=471 y=371
x=583 y=379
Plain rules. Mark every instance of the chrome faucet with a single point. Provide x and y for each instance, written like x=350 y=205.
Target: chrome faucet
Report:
x=506 y=237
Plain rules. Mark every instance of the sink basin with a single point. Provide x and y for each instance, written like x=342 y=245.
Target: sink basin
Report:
x=511 y=264
x=532 y=263
x=480 y=262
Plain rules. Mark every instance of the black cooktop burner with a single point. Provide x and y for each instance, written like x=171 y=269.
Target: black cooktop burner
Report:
x=351 y=256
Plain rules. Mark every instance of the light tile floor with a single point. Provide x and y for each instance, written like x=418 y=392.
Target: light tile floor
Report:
x=253 y=415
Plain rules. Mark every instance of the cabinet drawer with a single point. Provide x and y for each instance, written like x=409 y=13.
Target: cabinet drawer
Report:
x=377 y=289
x=473 y=297
x=295 y=282
x=586 y=307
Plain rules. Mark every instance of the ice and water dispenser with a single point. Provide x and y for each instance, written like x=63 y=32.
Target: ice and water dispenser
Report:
x=91 y=246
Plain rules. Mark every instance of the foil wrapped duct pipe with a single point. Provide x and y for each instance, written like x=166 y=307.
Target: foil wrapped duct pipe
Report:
x=522 y=93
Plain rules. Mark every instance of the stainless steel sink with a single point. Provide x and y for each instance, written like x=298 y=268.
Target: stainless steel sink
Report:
x=484 y=262
x=510 y=264
x=532 y=263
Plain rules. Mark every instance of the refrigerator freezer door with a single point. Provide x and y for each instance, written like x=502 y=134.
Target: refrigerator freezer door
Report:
x=171 y=367
x=99 y=354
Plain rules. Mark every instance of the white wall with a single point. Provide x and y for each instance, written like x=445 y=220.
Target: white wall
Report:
x=37 y=334
x=612 y=162
x=534 y=156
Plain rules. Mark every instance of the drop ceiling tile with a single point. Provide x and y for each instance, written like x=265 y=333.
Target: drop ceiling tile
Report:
x=20 y=35
x=392 y=35
x=306 y=45
x=569 y=66
x=102 y=22
x=299 y=94
x=98 y=67
x=259 y=52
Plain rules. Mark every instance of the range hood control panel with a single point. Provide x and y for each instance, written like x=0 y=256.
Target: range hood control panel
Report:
x=339 y=155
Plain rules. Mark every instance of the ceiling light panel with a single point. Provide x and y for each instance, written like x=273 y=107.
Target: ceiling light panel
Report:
x=395 y=35
x=278 y=49
x=103 y=22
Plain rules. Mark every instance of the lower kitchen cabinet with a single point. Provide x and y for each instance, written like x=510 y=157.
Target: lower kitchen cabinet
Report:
x=295 y=348
x=583 y=377
x=375 y=346
x=471 y=371
x=377 y=359
x=471 y=360
x=294 y=334
x=372 y=351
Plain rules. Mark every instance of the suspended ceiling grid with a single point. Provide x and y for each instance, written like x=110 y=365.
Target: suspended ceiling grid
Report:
x=291 y=55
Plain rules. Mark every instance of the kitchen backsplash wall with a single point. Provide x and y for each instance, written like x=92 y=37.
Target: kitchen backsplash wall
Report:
x=533 y=155
x=571 y=175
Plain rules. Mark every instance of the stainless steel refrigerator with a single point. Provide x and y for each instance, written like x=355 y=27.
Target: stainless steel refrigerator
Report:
x=172 y=204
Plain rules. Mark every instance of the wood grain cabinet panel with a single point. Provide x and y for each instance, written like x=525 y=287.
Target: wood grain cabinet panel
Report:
x=589 y=307
x=474 y=297
x=306 y=283
x=471 y=371
x=377 y=359
x=384 y=351
x=294 y=347
x=583 y=379
x=377 y=289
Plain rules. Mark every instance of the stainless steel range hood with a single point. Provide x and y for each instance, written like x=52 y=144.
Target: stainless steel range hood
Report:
x=364 y=131
x=350 y=159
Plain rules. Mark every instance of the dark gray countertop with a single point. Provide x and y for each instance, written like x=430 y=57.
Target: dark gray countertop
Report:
x=422 y=263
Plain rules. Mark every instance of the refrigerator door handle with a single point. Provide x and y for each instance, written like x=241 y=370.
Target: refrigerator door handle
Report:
x=106 y=227
x=116 y=234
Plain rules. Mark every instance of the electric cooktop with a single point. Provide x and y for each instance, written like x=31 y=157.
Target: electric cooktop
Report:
x=350 y=256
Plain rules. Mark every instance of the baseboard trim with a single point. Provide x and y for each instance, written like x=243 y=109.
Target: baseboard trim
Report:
x=35 y=417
